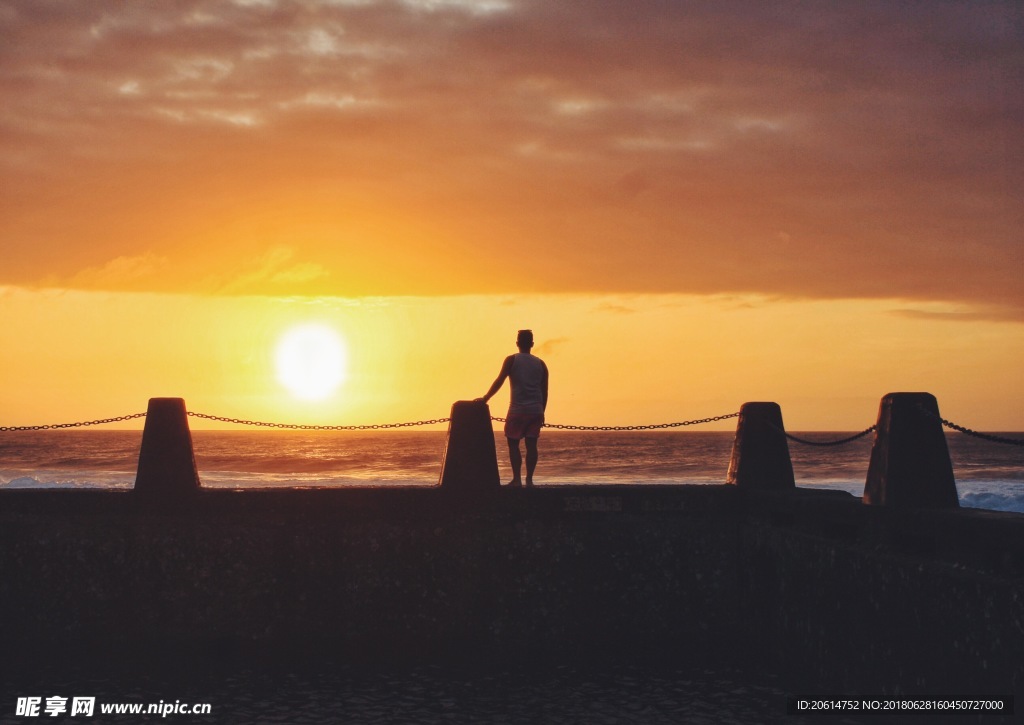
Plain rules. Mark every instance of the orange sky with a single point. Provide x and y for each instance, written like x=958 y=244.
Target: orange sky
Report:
x=848 y=174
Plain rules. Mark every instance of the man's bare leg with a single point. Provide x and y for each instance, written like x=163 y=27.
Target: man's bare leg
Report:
x=531 y=459
x=516 y=459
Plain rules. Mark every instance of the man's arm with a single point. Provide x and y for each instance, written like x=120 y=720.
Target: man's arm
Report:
x=545 y=385
x=506 y=368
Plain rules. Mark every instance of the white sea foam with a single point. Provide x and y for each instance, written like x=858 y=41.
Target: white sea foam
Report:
x=992 y=495
x=67 y=479
x=22 y=482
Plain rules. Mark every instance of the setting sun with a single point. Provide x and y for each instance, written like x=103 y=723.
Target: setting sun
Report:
x=310 y=360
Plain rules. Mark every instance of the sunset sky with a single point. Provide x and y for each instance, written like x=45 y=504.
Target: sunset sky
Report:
x=692 y=204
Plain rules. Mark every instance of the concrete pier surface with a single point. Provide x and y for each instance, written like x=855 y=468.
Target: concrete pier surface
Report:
x=810 y=584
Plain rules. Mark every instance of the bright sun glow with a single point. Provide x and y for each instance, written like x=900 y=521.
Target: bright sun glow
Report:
x=310 y=361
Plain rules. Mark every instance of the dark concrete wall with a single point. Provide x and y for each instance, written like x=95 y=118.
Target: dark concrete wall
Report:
x=812 y=584
x=904 y=603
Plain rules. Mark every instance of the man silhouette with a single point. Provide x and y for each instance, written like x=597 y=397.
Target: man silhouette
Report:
x=528 y=377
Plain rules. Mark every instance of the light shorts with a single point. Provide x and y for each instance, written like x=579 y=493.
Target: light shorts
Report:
x=523 y=425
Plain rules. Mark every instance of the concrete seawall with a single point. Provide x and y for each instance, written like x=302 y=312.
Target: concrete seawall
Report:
x=812 y=584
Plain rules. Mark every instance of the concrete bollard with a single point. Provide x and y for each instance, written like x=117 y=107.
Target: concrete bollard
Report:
x=167 y=464
x=470 y=459
x=910 y=464
x=760 y=454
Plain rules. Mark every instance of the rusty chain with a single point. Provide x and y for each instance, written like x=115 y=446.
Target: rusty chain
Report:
x=839 y=442
x=983 y=436
x=294 y=426
x=968 y=431
x=55 y=426
x=383 y=426
x=656 y=426
x=554 y=426
x=379 y=426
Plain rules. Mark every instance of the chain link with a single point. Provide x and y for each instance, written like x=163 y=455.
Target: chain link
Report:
x=656 y=426
x=984 y=436
x=968 y=431
x=436 y=421
x=80 y=424
x=839 y=442
x=379 y=426
x=294 y=426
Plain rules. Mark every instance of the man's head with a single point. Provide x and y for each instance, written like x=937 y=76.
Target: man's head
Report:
x=525 y=340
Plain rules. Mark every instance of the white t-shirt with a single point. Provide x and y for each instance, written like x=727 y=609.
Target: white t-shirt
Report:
x=527 y=378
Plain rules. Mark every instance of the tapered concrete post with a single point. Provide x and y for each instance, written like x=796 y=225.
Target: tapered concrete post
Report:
x=167 y=465
x=760 y=453
x=910 y=464
x=470 y=459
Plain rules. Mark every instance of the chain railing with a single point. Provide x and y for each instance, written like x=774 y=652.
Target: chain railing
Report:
x=841 y=441
x=80 y=424
x=983 y=436
x=946 y=423
x=376 y=426
x=294 y=426
x=554 y=426
x=967 y=431
x=433 y=421
x=654 y=426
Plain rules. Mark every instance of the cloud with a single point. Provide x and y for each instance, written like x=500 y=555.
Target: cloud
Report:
x=551 y=346
x=648 y=147
x=616 y=308
x=984 y=314
x=121 y=272
x=274 y=270
x=473 y=7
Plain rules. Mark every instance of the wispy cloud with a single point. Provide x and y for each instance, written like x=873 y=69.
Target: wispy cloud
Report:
x=984 y=314
x=552 y=346
x=616 y=308
x=276 y=269
x=121 y=272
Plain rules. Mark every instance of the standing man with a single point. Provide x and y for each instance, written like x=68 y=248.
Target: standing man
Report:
x=528 y=376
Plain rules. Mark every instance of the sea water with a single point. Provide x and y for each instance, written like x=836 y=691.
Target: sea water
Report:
x=989 y=475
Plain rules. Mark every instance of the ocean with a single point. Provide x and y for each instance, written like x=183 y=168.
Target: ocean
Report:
x=989 y=475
